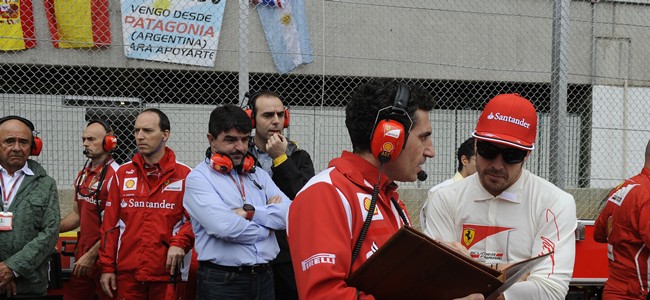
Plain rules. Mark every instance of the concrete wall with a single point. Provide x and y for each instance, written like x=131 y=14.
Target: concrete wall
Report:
x=619 y=133
x=506 y=40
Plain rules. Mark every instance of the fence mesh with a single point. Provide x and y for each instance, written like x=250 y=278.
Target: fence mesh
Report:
x=582 y=64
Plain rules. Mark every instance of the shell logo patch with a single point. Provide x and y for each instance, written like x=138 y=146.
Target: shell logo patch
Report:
x=364 y=204
x=130 y=184
x=388 y=147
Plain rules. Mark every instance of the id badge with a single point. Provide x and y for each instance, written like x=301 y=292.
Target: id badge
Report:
x=6 y=219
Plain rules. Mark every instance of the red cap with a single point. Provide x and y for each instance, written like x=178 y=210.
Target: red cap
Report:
x=508 y=119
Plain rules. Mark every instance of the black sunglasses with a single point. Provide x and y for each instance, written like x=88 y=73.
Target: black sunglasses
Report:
x=510 y=155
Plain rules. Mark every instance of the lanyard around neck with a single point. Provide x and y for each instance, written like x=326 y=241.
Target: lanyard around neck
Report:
x=242 y=191
x=6 y=196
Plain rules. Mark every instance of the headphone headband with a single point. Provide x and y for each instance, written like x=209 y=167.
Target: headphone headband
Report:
x=104 y=124
x=400 y=104
x=402 y=96
x=21 y=119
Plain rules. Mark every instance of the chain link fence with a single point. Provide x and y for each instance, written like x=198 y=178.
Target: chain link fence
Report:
x=582 y=63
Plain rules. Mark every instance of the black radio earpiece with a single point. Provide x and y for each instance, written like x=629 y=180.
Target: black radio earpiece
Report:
x=389 y=133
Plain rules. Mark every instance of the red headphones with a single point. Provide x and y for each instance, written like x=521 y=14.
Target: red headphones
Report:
x=109 y=143
x=251 y=111
x=389 y=135
x=224 y=164
x=37 y=143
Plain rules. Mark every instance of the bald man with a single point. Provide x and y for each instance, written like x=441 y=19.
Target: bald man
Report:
x=91 y=191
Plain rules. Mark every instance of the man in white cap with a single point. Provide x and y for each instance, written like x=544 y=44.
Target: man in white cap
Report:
x=504 y=214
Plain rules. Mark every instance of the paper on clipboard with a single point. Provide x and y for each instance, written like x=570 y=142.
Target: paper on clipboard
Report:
x=411 y=265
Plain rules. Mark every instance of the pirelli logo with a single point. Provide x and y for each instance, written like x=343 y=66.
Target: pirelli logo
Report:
x=320 y=258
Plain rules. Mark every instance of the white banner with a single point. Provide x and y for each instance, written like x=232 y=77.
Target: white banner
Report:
x=176 y=31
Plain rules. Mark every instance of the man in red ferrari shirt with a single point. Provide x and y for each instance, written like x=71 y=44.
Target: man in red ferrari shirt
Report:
x=624 y=225
x=146 y=234
x=91 y=191
x=326 y=217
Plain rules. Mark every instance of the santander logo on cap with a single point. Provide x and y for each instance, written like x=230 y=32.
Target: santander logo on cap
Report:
x=508 y=119
x=513 y=120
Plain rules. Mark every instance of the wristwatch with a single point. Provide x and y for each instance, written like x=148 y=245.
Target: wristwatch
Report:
x=250 y=211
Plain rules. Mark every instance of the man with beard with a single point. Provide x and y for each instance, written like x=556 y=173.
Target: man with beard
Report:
x=289 y=166
x=504 y=214
x=29 y=213
x=91 y=191
x=146 y=238
x=234 y=213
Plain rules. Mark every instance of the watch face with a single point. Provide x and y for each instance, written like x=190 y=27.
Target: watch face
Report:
x=248 y=207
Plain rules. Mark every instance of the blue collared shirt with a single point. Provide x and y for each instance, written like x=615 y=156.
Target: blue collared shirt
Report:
x=223 y=237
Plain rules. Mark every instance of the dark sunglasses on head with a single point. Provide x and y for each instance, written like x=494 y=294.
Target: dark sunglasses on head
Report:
x=510 y=155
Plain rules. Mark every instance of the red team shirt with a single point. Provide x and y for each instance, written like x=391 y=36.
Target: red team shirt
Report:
x=629 y=256
x=144 y=217
x=325 y=220
x=89 y=208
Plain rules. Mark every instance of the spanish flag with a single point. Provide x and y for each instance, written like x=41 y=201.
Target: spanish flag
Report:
x=16 y=25
x=78 y=23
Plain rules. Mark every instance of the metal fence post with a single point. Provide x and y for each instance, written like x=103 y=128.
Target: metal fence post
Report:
x=559 y=74
x=243 y=48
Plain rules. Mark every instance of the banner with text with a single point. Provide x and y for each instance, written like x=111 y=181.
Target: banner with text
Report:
x=176 y=31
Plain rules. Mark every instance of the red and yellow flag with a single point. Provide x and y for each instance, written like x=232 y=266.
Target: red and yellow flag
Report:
x=78 y=23
x=16 y=25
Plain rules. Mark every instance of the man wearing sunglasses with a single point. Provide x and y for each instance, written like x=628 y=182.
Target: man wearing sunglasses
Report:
x=504 y=214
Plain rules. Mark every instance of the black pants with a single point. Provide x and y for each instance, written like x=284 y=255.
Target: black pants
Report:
x=285 y=281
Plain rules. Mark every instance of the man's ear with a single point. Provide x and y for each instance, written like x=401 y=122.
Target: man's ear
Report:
x=464 y=160
x=166 y=135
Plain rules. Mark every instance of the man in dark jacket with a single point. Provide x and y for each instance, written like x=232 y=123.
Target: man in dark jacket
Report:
x=289 y=166
x=29 y=214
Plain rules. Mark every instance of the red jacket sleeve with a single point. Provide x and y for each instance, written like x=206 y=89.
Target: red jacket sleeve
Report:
x=600 y=226
x=110 y=231
x=319 y=237
x=643 y=213
x=184 y=238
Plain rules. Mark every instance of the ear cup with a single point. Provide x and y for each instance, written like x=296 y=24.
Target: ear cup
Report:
x=221 y=163
x=286 y=117
x=388 y=140
x=109 y=143
x=37 y=146
x=249 y=113
x=248 y=165
x=389 y=135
